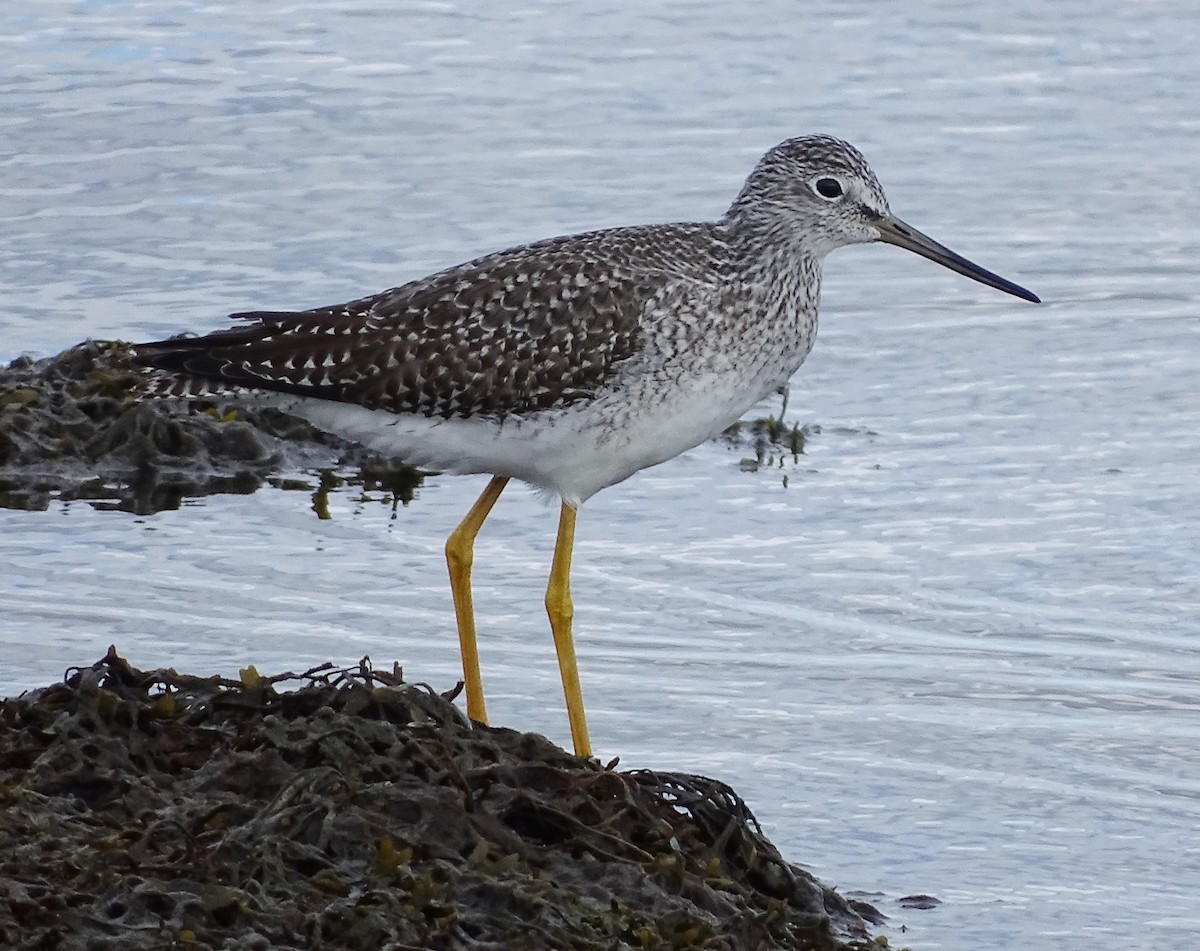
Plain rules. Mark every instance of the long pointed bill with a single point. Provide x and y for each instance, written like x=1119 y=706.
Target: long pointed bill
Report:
x=894 y=231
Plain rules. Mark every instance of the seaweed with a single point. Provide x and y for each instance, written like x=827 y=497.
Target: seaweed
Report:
x=347 y=808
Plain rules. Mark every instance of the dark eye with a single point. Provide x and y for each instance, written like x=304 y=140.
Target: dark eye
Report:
x=828 y=187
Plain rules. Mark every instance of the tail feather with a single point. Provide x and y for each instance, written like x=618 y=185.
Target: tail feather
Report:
x=212 y=365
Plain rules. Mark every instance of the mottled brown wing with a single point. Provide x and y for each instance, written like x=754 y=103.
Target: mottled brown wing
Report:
x=511 y=333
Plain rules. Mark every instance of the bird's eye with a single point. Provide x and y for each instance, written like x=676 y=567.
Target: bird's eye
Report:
x=828 y=188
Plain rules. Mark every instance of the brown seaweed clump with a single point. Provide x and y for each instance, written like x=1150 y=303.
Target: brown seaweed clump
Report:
x=73 y=426
x=159 y=810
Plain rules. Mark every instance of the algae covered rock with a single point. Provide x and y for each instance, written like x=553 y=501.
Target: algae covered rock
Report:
x=350 y=809
x=73 y=426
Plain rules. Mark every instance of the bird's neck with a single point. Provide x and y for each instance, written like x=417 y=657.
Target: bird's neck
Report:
x=780 y=265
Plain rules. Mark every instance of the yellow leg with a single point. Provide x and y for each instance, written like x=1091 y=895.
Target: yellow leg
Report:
x=460 y=553
x=560 y=609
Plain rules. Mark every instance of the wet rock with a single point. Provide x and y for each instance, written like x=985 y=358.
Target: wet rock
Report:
x=350 y=809
x=72 y=427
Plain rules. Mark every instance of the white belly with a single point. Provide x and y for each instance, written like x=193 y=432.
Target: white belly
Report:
x=573 y=452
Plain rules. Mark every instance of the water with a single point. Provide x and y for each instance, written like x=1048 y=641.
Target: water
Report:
x=955 y=654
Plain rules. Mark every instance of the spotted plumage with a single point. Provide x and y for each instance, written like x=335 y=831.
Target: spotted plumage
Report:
x=530 y=329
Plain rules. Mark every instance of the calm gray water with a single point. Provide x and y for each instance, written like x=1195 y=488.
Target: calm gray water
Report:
x=955 y=654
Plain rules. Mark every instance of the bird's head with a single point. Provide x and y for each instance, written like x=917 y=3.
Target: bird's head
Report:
x=818 y=193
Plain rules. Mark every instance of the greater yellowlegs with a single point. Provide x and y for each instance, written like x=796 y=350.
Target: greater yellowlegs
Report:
x=569 y=363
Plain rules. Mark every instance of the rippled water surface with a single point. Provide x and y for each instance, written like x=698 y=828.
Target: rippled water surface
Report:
x=951 y=649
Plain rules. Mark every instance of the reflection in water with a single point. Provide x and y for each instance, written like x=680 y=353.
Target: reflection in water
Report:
x=399 y=483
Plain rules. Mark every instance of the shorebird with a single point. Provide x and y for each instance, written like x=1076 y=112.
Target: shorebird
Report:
x=569 y=363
